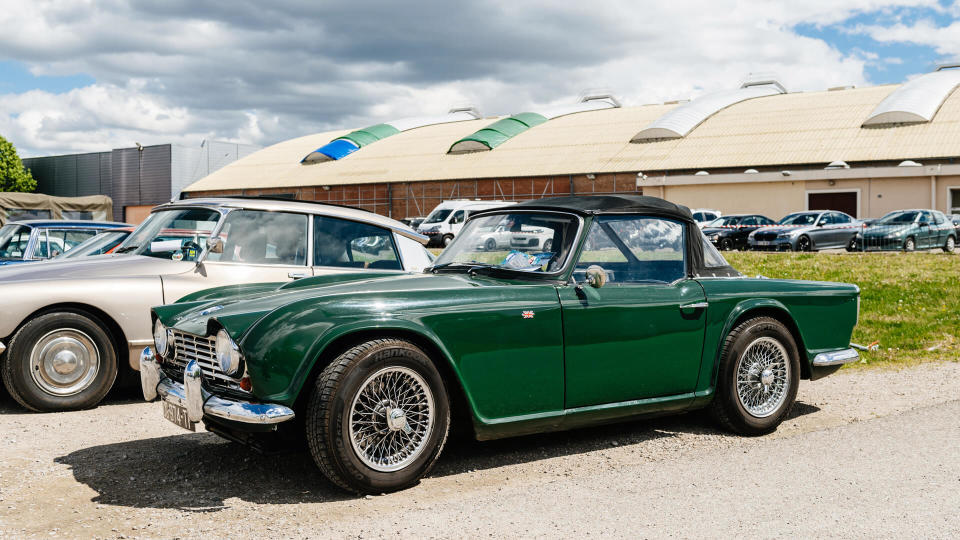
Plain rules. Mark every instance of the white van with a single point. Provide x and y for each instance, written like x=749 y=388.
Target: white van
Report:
x=447 y=218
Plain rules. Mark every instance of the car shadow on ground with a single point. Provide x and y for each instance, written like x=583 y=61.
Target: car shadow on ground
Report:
x=200 y=472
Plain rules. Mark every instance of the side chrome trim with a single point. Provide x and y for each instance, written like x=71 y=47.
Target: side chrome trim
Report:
x=198 y=402
x=836 y=358
x=696 y=305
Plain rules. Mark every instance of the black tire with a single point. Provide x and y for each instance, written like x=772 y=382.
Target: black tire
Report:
x=490 y=244
x=20 y=380
x=329 y=410
x=910 y=244
x=547 y=244
x=726 y=245
x=447 y=238
x=852 y=245
x=804 y=243
x=950 y=244
x=727 y=408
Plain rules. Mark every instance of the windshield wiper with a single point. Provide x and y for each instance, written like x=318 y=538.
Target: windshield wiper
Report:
x=126 y=249
x=471 y=266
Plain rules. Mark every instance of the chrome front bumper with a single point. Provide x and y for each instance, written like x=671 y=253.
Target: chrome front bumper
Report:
x=198 y=402
x=836 y=358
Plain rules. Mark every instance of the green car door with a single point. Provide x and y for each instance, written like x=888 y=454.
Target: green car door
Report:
x=640 y=335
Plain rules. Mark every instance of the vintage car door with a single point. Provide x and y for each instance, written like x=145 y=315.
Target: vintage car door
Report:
x=257 y=247
x=640 y=335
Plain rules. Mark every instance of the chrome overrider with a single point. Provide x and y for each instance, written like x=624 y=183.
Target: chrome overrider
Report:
x=836 y=358
x=198 y=402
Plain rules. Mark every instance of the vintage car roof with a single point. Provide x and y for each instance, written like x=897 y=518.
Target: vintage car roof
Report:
x=310 y=207
x=82 y=224
x=608 y=204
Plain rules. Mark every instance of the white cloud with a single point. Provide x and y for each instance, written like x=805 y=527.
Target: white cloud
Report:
x=182 y=71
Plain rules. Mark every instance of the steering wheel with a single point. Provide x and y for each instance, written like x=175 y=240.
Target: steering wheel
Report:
x=191 y=250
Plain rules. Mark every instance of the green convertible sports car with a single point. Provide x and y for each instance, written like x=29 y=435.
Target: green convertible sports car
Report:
x=632 y=312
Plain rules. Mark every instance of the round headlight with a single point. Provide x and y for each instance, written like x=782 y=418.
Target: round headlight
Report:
x=160 y=338
x=228 y=354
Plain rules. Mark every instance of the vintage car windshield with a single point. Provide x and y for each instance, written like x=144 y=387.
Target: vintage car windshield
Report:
x=894 y=218
x=523 y=242
x=175 y=234
x=799 y=219
x=13 y=240
x=98 y=245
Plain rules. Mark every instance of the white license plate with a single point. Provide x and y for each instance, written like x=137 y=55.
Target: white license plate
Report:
x=178 y=415
x=764 y=242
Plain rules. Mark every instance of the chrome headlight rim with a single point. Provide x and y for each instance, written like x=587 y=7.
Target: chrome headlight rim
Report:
x=161 y=338
x=229 y=358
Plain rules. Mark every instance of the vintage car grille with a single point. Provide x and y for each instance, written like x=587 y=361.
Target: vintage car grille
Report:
x=203 y=350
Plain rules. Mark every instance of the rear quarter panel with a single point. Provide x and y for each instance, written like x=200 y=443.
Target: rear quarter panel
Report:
x=824 y=314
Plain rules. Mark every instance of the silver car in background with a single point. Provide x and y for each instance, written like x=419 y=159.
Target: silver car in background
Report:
x=806 y=231
x=69 y=327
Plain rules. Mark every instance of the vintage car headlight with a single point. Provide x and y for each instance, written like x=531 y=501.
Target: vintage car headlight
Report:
x=162 y=338
x=228 y=354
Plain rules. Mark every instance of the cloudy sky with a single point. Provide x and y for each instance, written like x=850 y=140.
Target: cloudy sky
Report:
x=91 y=75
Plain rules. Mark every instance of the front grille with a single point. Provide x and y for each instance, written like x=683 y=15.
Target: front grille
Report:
x=765 y=236
x=202 y=349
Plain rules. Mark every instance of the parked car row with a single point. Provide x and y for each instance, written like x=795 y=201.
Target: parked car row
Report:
x=906 y=230
x=245 y=315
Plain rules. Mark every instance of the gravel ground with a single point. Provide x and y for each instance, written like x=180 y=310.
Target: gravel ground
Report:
x=867 y=453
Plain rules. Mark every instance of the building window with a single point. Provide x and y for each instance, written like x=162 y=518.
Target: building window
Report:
x=955 y=200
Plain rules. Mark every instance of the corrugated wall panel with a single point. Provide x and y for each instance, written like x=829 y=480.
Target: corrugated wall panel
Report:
x=65 y=176
x=126 y=188
x=106 y=177
x=88 y=174
x=155 y=175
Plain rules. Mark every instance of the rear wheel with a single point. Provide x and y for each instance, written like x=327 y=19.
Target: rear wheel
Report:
x=950 y=245
x=852 y=245
x=378 y=417
x=490 y=244
x=447 y=238
x=60 y=361
x=758 y=378
x=548 y=244
x=909 y=244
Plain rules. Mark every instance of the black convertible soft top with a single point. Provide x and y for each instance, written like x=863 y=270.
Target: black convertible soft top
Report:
x=591 y=205
x=610 y=204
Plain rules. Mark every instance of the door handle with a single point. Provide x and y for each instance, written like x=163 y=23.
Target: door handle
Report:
x=696 y=305
x=297 y=275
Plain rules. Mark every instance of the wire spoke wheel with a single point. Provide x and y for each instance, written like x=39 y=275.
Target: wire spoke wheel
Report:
x=763 y=377
x=391 y=418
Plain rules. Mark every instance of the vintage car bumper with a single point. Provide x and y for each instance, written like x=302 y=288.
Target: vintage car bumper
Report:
x=198 y=402
x=836 y=358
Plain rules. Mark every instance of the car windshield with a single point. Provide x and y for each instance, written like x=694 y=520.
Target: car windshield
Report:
x=98 y=245
x=13 y=241
x=799 y=219
x=175 y=234
x=437 y=216
x=724 y=221
x=898 y=217
x=522 y=242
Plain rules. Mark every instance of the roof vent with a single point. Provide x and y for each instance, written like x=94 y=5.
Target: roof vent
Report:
x=751 y=171
x=838 y=164
x=909 y=163
x=701 y=173
x=680 y=121
x=917 y=101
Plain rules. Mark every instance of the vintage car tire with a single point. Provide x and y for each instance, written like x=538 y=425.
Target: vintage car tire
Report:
x=728 y=407
x=490 y=244
x=909 y=244
x=950 y=244
x=62 y=338
x=335 y=396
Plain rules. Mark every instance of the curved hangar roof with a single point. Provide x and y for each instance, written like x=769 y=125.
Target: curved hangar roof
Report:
x=772 y=130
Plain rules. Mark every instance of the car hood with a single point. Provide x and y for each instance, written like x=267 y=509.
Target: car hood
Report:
x=14 y=261
x=99 y=266
x=786 y=228
x=240 y=307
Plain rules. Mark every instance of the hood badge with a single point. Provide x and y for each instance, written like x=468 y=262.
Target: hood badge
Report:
x=210 y=310
x=527 y=314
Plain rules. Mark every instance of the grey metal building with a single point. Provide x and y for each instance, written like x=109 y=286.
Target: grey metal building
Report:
x=137 y=178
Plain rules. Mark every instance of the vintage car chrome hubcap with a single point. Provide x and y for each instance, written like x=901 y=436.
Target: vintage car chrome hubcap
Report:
x=763 y=376
x=391 y=419
x=64 y=362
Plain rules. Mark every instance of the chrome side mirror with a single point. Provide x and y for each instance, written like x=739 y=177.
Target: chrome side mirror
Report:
x=215 y=244
x=596 y=276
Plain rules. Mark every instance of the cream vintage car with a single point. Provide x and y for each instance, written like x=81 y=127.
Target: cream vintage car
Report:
x=68 y=328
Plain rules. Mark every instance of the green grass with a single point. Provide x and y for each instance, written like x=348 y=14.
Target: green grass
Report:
x=909 y=302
